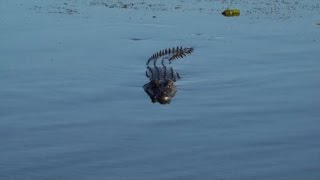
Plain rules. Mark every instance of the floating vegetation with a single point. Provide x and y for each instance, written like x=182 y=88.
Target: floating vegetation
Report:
x=231 y=12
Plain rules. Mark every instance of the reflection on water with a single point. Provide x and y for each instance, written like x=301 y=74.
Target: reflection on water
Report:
x=161 y=87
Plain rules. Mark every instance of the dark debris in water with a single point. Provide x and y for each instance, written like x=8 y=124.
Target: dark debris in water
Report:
x=65 y=9
x=136 y=39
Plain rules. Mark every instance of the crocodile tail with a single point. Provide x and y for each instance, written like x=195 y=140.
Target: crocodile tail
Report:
x=171 y=54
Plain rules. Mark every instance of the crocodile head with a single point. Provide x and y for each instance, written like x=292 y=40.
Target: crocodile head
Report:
x=161 y=91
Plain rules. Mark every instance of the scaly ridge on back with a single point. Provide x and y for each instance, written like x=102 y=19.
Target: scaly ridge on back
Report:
x=171 y=54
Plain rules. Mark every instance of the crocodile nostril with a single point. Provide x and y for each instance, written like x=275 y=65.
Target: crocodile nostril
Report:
x=164 y=100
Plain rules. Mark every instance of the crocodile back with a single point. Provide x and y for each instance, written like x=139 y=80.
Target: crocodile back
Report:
x=162 y=73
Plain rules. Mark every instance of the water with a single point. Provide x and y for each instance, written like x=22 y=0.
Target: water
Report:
x=73 y=107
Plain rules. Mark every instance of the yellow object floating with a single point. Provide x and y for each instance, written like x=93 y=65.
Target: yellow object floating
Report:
x=231 y=12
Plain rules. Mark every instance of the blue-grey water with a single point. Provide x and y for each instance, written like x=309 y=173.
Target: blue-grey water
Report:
x=73 y=107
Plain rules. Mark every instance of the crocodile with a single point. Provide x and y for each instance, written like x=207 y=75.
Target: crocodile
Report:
x=161 y=87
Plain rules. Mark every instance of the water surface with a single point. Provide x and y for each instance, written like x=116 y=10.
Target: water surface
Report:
x=73 y=107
